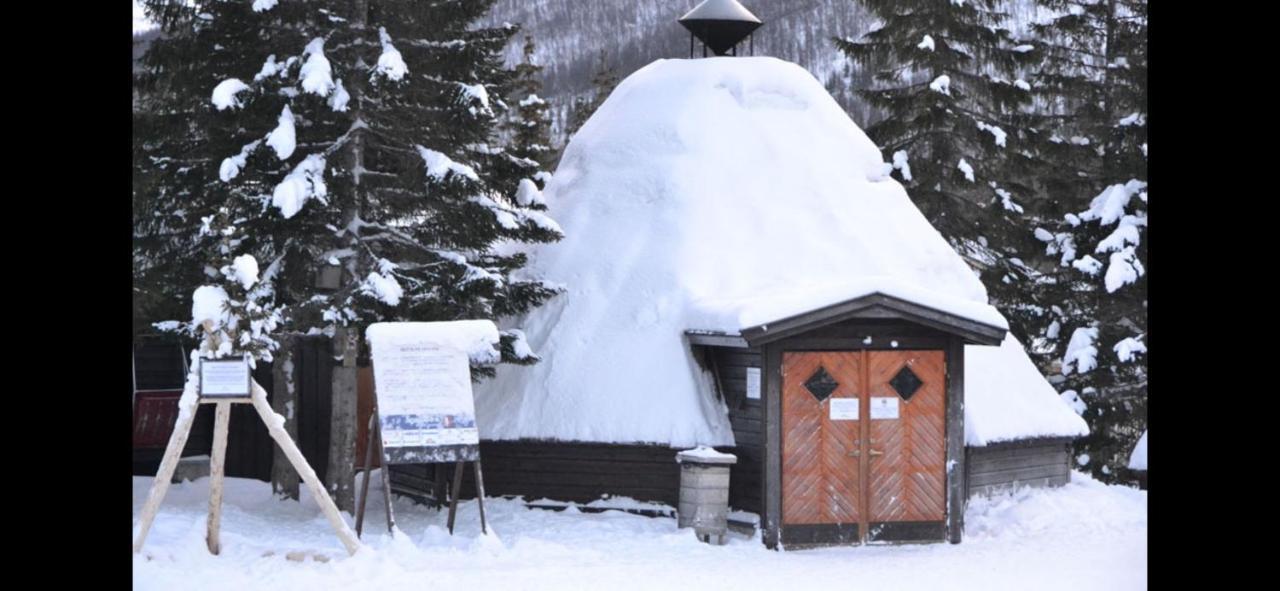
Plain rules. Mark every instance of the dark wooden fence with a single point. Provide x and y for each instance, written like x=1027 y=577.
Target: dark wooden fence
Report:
x=562 y=471
x=158 y=365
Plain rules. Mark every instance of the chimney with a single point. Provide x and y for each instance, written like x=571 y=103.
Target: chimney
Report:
x=721 y=25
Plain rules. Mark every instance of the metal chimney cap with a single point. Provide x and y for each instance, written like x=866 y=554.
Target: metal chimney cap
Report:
x=720 y=10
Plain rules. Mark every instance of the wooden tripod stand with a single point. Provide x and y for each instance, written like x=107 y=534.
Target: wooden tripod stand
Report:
x=375 y=438
x=178 y=440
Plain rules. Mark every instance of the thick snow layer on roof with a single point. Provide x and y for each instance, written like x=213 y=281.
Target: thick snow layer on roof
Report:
x=1138 y=459
x=726 y=10
x=698 y=188
x=1006 y=398
x=477 y=338
x=761 y=308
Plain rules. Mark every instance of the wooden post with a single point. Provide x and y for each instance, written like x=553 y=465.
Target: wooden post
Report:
x=772 y=477
x=308 y=475
x=480 y=496
x=160 y=486
x=217 y=464
x=386 y=472
x=364 y=487
x=453 y=493
x=957 y=482
x=284 y=400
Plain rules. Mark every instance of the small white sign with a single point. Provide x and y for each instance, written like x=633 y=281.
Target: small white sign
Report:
x=844 y=409
x=224 y=378
x=884 y=407
x=753 y=383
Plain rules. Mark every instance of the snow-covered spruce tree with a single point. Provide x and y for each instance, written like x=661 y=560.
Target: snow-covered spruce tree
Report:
x=949 y=81
x=1092 y=94
x=357 y=136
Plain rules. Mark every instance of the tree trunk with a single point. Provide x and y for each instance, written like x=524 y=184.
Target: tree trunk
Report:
x=340 y=475
x=284 y=479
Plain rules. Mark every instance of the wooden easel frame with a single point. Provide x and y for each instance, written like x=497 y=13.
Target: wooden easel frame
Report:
x=222 y=419
x=375 y=438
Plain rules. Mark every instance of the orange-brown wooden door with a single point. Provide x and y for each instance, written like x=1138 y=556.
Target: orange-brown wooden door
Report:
x=820 y=476
x=872 y=465
x=907 y=479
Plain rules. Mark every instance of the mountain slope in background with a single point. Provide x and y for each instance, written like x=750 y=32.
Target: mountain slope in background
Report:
x=571 y=34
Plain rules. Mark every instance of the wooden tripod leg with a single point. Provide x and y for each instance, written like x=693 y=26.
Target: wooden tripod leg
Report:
x=364 y=486
x=217 y=464
x=276 y=430
x=160 y=486
x=386 y=475
x=453 y=493
x=484 y=529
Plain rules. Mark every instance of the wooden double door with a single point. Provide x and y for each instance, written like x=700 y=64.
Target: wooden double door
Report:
x=863 y=446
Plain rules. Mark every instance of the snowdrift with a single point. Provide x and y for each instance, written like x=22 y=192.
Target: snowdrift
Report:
x=718 y=194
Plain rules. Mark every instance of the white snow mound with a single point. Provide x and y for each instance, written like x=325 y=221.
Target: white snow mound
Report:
x=477 y=338
x=698 y=188
x=1006 y=398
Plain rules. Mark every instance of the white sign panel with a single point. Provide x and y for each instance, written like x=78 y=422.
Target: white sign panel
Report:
x=753 y=383
x=844 y=409
x=424 y=395
x=884 y=407
x=224 y=378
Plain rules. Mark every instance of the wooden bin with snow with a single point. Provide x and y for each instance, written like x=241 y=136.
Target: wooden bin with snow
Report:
x=741 y=272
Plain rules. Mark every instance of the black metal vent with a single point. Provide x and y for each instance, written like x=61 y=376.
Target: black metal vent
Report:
x=905 y=383
x=821 y=384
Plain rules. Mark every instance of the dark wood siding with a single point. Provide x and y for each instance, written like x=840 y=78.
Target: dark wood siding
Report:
x=159 y=364
x=1034 y=462
x=747 y=418
x=562 y=471
x=248 y=444
x=313 y=362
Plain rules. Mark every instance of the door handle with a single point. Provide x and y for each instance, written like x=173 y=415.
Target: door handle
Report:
x=872 y=452
x=853 y=454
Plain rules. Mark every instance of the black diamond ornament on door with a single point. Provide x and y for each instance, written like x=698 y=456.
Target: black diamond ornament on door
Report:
x=905 y=383
x=821 y=384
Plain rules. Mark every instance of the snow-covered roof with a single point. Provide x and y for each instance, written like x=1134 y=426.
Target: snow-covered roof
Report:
x=721 y=10
x=709 y=194
x=1006 y=398
x=1138 y=459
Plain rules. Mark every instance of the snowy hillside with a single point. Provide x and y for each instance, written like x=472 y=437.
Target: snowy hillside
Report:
x=570 y=35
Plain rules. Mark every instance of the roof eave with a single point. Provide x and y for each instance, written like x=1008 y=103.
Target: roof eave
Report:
x=875 y=305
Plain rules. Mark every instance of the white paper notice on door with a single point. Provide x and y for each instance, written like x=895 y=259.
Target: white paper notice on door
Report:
x=753 y=383
x=884 y=407
x=844 y=409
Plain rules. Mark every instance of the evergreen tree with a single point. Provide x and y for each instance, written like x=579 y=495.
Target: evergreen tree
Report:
x=1092 y=96
x=949 y=80
x=602 y=85
x=530 y=123
x=347 y=139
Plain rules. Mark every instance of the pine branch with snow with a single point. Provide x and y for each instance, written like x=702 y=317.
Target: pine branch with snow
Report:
x=362 y=143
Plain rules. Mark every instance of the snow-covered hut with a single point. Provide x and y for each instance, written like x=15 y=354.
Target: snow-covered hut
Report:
x=740 y=271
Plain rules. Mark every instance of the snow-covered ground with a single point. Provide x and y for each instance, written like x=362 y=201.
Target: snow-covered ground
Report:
x=1085 y=535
